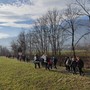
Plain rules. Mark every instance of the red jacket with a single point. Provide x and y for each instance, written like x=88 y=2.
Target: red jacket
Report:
x=49 y=61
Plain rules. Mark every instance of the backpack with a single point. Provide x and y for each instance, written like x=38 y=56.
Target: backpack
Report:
x=36 y=59
x=50 y=61
x=67 y=62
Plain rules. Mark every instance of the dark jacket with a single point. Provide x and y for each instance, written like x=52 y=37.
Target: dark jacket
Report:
x=74 y=63
x=37 y=58
x=80 y=63
x=55 y=60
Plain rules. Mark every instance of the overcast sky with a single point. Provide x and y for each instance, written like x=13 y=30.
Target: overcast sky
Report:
x=15 y=17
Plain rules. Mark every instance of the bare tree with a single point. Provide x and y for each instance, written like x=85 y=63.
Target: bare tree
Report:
x=84 y=5
x=14 y=48
x=40 y=38
x=22 y=42
x=84 y=8
x=71 y=24
x=48 y=33
x=54 y=20
x=72 y=19
x=29 y=42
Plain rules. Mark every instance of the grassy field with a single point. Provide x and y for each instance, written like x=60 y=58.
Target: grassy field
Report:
x=81 y=53
x=15 y=75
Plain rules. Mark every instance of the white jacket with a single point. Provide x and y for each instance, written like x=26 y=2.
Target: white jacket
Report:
x=35 y=58
x=44 y=57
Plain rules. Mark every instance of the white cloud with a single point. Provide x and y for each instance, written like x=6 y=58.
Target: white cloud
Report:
x=12 y=13
x=9 y=14
x=3 y=35
x=17 y=25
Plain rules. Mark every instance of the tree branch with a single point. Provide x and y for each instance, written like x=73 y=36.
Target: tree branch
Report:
x=82 y=37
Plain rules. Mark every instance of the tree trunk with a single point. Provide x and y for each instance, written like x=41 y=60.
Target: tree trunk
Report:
x=73 y=47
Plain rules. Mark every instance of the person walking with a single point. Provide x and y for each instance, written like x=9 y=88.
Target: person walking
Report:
x=36 y=61
x=49 y=62
x=71 y=68
x=80 y=65
x=74 y=65
x=44 y=57
x=68 y=64
x=55 y=60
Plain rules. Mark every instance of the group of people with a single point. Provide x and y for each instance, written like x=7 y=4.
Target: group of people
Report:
x=45 y=61
x=74 y=65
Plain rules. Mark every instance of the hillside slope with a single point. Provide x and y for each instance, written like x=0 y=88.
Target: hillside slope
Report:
x=15 y=75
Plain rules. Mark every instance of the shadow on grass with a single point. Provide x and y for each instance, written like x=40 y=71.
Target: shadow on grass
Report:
x=60 y=70
x=63 y=71
x=87 y=72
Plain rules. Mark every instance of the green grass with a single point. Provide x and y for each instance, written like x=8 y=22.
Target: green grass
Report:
x=15 y=75
x=81 y=53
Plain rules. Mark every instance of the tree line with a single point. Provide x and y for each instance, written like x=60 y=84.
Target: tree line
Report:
x=4 y=51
